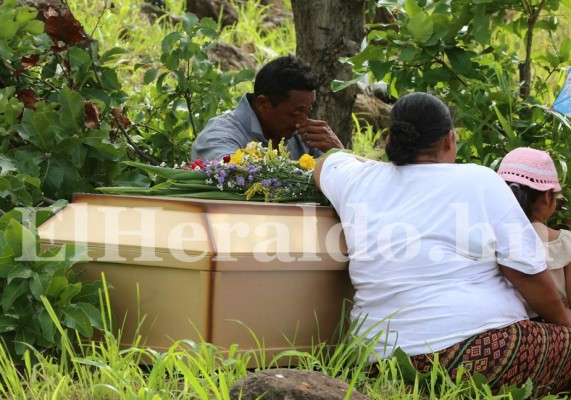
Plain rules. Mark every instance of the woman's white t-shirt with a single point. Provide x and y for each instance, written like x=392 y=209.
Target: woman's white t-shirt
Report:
x=424 y=243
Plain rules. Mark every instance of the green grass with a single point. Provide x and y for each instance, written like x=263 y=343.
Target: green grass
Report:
x=199 y=370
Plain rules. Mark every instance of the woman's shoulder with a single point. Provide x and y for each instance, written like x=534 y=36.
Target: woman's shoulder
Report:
x=475 y=171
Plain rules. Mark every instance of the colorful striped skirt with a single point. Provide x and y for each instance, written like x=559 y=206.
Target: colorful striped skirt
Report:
x=511 y=355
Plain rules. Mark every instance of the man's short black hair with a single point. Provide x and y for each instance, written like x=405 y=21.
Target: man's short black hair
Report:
x=279 y=76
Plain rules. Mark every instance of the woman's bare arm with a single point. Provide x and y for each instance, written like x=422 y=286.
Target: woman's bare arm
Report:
x=540 y=293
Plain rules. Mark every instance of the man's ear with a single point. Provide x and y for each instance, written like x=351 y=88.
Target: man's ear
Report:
x=262 y=102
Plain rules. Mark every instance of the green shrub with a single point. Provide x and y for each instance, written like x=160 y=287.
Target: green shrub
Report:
x=28 y=273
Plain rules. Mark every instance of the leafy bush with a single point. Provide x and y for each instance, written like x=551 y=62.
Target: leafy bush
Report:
x=59 y=123
x=27 y=274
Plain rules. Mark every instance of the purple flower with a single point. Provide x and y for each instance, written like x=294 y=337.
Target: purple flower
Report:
x=240 y=180
x=220 y=179
x=266 y=182
x=250 y=178
x=253 y=169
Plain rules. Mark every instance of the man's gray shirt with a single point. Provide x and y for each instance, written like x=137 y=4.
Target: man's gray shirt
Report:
x=233 y=130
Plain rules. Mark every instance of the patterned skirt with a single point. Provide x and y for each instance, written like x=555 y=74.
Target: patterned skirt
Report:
x=511 y=355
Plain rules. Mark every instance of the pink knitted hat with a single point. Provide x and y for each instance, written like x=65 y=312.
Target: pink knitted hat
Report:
x=530 y=167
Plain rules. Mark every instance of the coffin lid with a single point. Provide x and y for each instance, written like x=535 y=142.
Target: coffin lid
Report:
x=200 y=234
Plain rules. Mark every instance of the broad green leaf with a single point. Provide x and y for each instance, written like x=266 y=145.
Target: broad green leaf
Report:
x=36 y=128
x=5 y=49
x=79 y=57
x=8 y=28
x=8 y=324
x=565 y=50
x=172 y=60
x=460 y=60
x=46 y=324
x=168 y=173
x=408 y=54
x=133 y=178
x=75 y=318
x=4 y=185
x=505 y=125
x=39 y=285
x=35 y=27
x=209 y=23
x=380 y=69
x=124 y=190
x=337 y=85
x=6 y=165
x=68 y=293
x=439 y=74
x=189 y=21
x=89 y=293
x=169 y=41
x=25 y=14
x=12 y=292
x=110 y=54
x=21 y=240
x=243 y=75
x=421 y=27
x=57 y=285
x=481 y=25
x=53 y=176
x=412 y=8
x=22 y=270
x=92 y=312
x=24 y=339
x=109 y=79
x=150 y=75
x=72 y=116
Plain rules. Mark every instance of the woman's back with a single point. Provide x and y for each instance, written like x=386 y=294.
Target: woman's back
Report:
x=424 y=245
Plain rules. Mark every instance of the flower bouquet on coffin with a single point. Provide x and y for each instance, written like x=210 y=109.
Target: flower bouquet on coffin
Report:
x=253 y=173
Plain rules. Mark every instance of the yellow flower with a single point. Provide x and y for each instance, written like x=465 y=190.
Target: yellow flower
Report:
x=237 y=157
x=306 y=162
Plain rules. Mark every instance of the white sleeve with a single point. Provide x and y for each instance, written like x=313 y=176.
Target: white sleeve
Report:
x=518 y=246
x=338 y=169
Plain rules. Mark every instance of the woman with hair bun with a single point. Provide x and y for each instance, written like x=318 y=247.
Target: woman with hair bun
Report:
x=437 y=251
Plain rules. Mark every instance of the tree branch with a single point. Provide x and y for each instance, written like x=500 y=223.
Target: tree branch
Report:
x=525 y=70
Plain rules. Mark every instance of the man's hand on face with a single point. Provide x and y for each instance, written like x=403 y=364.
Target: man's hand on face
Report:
x=317 y=134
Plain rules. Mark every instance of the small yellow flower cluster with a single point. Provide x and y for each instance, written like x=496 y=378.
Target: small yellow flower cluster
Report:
x=238 y=157
x=307 y=162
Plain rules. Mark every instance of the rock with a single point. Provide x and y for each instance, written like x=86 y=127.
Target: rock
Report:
x=291 y=384
x=231 y=58
x=372 y=110
x=212 y=8
x=153 y=12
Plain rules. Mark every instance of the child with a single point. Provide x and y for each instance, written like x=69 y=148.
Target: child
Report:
x=532 y=176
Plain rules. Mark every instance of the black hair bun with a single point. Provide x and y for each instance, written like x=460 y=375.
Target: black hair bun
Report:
x=403 y=146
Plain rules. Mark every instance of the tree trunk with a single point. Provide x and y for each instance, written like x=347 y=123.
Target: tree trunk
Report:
x=325 y=31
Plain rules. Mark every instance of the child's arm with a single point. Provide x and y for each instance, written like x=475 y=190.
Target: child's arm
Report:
x=567 y=272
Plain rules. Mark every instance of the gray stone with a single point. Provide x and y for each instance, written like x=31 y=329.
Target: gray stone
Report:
x=291 y=384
